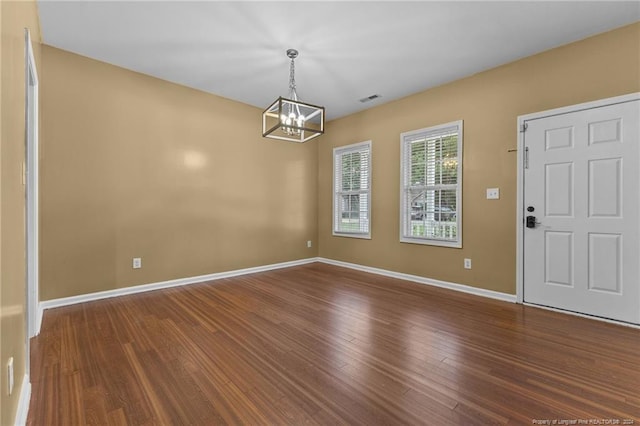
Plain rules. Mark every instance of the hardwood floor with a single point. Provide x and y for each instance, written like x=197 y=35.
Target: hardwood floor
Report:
x=319 y=344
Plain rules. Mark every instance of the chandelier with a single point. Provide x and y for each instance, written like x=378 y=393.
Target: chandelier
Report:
x=289 y=119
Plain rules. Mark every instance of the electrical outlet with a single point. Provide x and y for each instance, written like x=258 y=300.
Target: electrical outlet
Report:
x=309 y=244
x=467 y=264
x=10 y=375
x=493 y=193
x=137 y=262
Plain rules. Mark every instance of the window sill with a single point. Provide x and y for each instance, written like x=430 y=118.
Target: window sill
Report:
x=352 y=235
x=428 y=242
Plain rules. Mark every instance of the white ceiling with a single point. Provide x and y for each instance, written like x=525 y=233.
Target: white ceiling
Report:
x=348 y=50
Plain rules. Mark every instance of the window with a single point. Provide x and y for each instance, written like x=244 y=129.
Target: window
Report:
x=431 y=186
x=352 y=190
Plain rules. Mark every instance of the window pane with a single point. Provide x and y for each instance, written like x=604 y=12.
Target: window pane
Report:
x=363 y=213
x=431 y=158
x=345 y=207
x=346 y=172
x=448 y=206
x=354 y=206
x=355 y=212
x=418 y=163
x=355 y=171
x=419 y=174
x=449 y=160
x=363 y=170
x=434 y=161
x=433 y=214
x=417 y=205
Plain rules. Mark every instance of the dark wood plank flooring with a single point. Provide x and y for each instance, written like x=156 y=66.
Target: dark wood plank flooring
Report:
x=319 y=344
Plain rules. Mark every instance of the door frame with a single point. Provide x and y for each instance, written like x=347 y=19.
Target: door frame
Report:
x=520 y=228
x=31 y=180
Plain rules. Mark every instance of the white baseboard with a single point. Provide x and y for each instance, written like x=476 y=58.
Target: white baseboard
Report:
x=422 y=280
x=65 y=301
x=23 y=402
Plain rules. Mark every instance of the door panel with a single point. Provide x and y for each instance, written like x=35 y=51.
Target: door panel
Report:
x=559 y=190
x=605 y=262
x=583 y=182
x=605 y=188
x=558 y=260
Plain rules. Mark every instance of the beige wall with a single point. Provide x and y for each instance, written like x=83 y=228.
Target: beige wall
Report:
x=489 y=103
x=133 y=166
x=14 y=17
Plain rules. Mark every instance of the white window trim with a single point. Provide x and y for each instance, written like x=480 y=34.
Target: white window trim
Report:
x=338 y=151
x=403 y=205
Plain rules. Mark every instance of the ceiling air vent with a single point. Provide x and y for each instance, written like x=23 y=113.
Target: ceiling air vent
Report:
x=370 y=98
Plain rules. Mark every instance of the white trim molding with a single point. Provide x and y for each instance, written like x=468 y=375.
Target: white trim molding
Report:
x=31 y=180
x=23 y=402
x=422 y=280
x=66 y=301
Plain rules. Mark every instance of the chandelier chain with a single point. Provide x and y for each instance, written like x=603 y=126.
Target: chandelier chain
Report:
x=292 y=80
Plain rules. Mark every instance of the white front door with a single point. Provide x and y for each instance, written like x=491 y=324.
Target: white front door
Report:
x=581 y=198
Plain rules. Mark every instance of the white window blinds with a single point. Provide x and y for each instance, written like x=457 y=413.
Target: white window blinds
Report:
x=431 y=202
x=352 y=190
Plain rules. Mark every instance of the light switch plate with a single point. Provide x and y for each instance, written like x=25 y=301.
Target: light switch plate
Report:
x=493 y=193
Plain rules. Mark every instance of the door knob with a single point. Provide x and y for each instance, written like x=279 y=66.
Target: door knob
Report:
x=531 y=222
